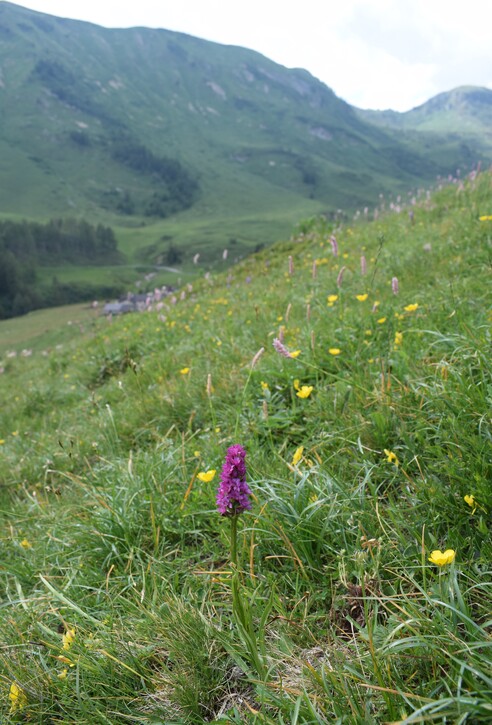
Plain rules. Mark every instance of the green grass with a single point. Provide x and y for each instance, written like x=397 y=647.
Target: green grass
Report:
x=335 y=613
x=43 y=329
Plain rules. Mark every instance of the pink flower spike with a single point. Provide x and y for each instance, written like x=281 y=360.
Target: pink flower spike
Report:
x=233 y=492
x=281 y=349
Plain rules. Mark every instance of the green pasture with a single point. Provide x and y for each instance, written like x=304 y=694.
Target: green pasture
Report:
x=357 y=589
x=44 y=329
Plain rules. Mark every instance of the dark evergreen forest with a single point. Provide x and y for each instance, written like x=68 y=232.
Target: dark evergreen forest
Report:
x=25 y=246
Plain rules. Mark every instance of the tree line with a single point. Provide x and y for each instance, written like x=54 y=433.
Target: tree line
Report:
x=25 y=246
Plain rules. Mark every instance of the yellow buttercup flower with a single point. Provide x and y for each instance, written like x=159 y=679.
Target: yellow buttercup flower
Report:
x=184 y=371
x=334 y=351
x=486 y=218
x=381 y=320
x=26 y=544
x=295 y=354
x=17 y=697
x=398 y=338
x=362 y=298
x=473 y=503
x=332 y=298
x=68 y=638
x=440 y=558
x=297 y=384
x=470 y=500
x=412 y=307
x=264 y=385
x=391 y=457
x=304 y=391
x=297 y=455
x=207 y=476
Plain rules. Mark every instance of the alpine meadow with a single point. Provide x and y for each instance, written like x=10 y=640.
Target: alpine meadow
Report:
x=263 y=496
x=345 y=379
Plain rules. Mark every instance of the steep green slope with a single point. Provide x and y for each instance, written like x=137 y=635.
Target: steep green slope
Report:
x=463 y=115
x=467 y=109
x=90 y=116
x=360 y=588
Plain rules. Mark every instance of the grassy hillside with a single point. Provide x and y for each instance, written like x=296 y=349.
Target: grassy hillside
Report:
x=464 y=110
x=360 y=587
x=461 y=115
x=163 y=135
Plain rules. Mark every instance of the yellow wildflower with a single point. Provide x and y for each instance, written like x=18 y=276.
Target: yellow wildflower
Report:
x=68 y=638
x=332 y=298
x=264 y=385
x=381 y=320
x=207 y=476
x=362 y=298
x=334 y=351
x=184 y=371
x=297 y=455
x=17 y=697
x=470 y=500
x=2 y=441
x=440 y=558
x=63 y=674
x=412 y=307
x=26 y=544
x=398 y=338
x=305 y=391
x=295 y=354
x=65 y=660
x=486 y=218
x=391 y=457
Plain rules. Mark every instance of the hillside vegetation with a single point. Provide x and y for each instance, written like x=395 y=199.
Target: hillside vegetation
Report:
x=168 y=138
x=25 y=246
x=465 y=110
x=353 y=365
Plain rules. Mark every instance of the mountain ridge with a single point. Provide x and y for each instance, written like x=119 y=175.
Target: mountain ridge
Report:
x=169 y=136
x=465 y=108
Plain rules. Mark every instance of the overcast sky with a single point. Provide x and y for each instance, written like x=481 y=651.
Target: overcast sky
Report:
x=372 y=53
